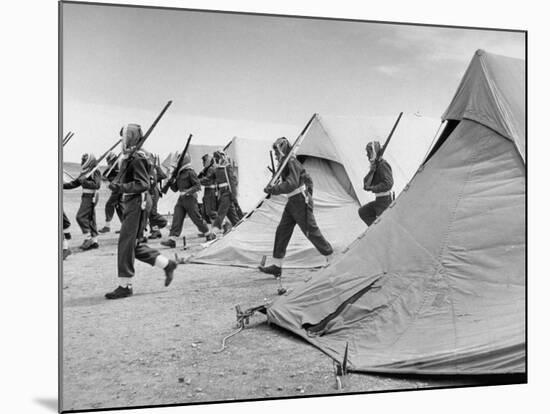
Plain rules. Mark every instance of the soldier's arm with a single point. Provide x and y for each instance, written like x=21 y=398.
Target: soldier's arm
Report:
x=386 y=178
x=93 y=182
x=71 y=184
x=140 y=182
x=195 y=183
x=292 y=181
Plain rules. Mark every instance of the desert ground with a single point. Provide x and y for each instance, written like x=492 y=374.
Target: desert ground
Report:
x=160 y=345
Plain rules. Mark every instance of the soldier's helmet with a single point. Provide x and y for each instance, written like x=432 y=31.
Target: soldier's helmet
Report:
x=131 y=135
x=87 y=161
x=282 y=146
x=219 y=156
x=373 y=148
x=205 y=159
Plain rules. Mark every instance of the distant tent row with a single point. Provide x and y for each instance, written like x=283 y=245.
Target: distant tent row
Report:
x=437 y=285
x=333 y=153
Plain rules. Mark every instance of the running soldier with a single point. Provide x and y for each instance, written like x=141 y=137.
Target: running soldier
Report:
x=114 y=203
x=134 y=182
x=188 y=184
x=298 y=187
x=85 y=217
x=381 y=185
x=156 y=220
x=208 y=181
x=226 y=184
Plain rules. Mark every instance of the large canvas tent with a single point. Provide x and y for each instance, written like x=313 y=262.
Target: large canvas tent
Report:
x=437 y=285
x=333 y=153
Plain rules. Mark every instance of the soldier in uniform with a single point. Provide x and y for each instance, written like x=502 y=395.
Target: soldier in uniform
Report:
x=134 y=182
x=114 y=203
x=187 y=184
x=156 y=220
x=226 y=184
x=381 y=185
x=85 y=217
x=208 y=182
x=298 y=187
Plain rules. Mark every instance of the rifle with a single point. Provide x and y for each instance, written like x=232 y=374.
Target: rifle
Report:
x=368 y=179
x=292 y=151
x=68 y=137
x=272 y=168
x=89 y=173
x=179 y=164
x=140 y=143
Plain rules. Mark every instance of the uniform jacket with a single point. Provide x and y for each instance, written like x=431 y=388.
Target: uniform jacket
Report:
x=187 y=181
x=136 y=176
x=208 y=176
x=293 y=176
x=93 y=182
x=114 y=172
x=382 y=180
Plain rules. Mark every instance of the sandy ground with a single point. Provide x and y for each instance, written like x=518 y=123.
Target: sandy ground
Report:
x=158 y=346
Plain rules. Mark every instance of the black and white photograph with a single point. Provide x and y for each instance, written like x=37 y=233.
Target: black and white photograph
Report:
x=259 y=206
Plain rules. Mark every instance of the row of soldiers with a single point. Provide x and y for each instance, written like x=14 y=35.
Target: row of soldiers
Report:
x=134 y=186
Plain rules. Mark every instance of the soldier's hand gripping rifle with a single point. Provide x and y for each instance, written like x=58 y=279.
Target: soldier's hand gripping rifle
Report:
x=368 y=179
x=176 y=170
x=140 y=143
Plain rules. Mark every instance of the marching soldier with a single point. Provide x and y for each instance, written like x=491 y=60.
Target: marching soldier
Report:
x=156 y=220
x=114 y=203
x=85 y=217
x=381 y=185
x=134 y=182
x=225 y=182
x=188 y=184
x=298 y=187
x=208 y=182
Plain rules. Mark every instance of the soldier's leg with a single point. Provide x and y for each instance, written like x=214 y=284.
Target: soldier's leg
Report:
x=143 y=252
x=224 y=203
x=303 y=214
x=381 y=204
x=66 y=236
x=83 y=214
x=128 y=236
x=282 y=238
x=192 y=208
x=179 y=217
x=368 y=213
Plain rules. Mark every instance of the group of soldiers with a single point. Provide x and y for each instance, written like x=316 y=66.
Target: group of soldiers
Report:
x=135 y=180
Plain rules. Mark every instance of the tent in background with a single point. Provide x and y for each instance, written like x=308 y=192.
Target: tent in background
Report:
x=437 y=284
x=333 y=153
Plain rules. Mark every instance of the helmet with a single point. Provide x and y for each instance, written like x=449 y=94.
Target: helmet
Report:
x=282 y=146
x=219 y=156
x=87 y=161
x=206 y=159
x=373 y=148
x=131 y=134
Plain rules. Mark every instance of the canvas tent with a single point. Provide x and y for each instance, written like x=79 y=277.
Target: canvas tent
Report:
x=437 y=285
x=333 y=153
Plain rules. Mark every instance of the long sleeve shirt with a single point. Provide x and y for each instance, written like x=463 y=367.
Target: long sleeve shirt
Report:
x=208 y=176
x=136 y=174
x=293 y=176
x=382 y=179
x=223 y=174
x=93 y=182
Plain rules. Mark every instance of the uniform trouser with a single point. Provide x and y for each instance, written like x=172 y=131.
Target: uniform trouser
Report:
x=66 y=222
x=85 y=217
x=370 y=211
x=134 y=221
x=156 y=219
x=297 y=211
x=187 y=205
x=237 y=207
x=209 y=202
x=114 y=203
x=225 y=208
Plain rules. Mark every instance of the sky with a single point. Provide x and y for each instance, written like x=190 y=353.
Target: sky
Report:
x=252 y=76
